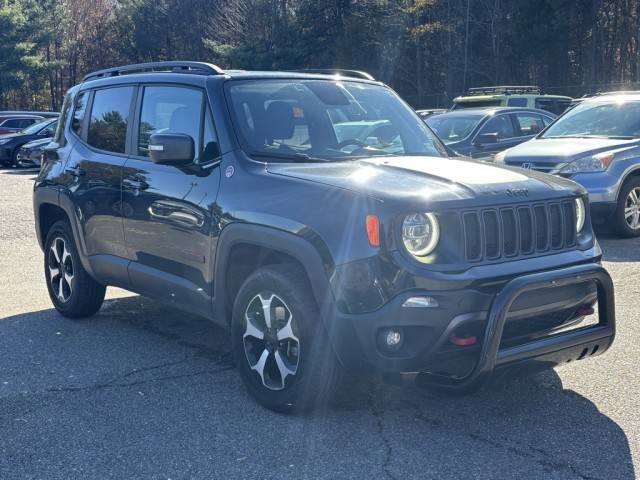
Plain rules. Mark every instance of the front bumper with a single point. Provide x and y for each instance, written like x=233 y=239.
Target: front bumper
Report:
x=486 y=311
x=603 y=187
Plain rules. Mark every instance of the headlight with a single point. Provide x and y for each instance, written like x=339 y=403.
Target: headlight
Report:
x=580 y=214
x=499 y=157
x=594 y=163
x=420 y=233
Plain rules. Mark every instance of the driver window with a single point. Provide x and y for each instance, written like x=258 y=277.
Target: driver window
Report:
x=170 y=110
x=500 y=124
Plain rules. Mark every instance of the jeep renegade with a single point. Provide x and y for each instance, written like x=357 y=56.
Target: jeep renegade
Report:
x=318 y=218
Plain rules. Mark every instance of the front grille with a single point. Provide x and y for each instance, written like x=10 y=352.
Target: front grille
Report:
x=503 y=232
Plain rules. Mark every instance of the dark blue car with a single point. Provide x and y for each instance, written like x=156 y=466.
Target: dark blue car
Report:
x=483 y=132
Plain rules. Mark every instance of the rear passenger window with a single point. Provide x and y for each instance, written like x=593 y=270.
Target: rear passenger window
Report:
x=170 y=110
x=529 y=124
x=109 y=119
x=78 y=113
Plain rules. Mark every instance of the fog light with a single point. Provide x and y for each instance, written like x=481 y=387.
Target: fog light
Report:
x=420 y=302
x=390 y=339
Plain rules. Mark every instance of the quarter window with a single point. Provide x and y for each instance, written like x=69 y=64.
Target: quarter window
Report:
x=170 y=110
x=66 y=106
x=109 y=119
x=210 y=145
x=79 y=112
x=500 y=124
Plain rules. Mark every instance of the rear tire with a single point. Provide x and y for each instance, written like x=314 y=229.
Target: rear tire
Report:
x=627 y=214
x=276 y=329
x=72 y=290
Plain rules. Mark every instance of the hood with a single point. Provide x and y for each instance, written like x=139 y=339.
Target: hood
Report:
x=548 y=153
x=37 y=143
x=432 y=179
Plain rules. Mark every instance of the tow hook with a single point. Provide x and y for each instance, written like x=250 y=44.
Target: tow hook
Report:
x=464 y=341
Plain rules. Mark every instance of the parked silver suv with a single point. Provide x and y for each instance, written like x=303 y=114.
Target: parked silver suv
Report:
x=597 y=144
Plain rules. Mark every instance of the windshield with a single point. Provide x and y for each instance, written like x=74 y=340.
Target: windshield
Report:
x=35 y=128
x=598 y=119
x=326 y=120
x=453 y=128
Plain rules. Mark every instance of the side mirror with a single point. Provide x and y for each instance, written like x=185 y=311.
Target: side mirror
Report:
x=171 y=148
x=485 y=138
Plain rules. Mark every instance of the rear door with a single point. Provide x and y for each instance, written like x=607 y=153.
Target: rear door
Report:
x=168 y=209
x=100 y=124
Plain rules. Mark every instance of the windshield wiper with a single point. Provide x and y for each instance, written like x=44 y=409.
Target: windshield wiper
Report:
x=612 y=137
x=297 y=156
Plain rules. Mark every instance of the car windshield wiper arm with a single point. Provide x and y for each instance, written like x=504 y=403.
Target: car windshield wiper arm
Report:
x=297 y=156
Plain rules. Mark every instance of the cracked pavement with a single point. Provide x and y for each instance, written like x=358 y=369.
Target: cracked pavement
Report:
x=145 y=391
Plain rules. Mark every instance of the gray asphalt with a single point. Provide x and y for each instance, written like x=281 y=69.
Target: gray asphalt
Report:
x=144 y=391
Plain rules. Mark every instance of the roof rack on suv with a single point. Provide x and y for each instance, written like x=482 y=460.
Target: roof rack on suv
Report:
x=337 y=71
x=504 y=90
x=199 y=68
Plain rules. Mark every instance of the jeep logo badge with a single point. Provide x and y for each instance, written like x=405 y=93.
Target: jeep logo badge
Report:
x=517 y=192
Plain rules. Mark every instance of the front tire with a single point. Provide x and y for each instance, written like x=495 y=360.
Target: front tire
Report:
x=279 y=343
x=72 y=290
x=627 y=214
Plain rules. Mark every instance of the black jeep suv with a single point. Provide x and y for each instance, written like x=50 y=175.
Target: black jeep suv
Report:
x=319 y=219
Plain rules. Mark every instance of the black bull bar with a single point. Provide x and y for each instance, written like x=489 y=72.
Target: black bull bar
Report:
x=555 y=348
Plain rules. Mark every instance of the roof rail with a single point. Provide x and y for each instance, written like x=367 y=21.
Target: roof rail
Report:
x=199 y=68
x=617 y=92
x=336 y=71
x=504 y=90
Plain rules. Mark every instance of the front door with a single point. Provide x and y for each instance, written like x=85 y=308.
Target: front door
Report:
x=168 y=209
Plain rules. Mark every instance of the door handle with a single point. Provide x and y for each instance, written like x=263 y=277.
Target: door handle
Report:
x=75 y=171
x=135 y=183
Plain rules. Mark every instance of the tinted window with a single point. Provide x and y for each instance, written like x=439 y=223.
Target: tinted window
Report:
x=500 y=124
x=210 y=147
x=109 y=119
x=517 y=102
x=170 y=110
x=553 y=105
x=529 y=124
x=79 y=112
x=66 y=107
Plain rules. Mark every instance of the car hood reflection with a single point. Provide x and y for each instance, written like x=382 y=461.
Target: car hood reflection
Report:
x=428 y=178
